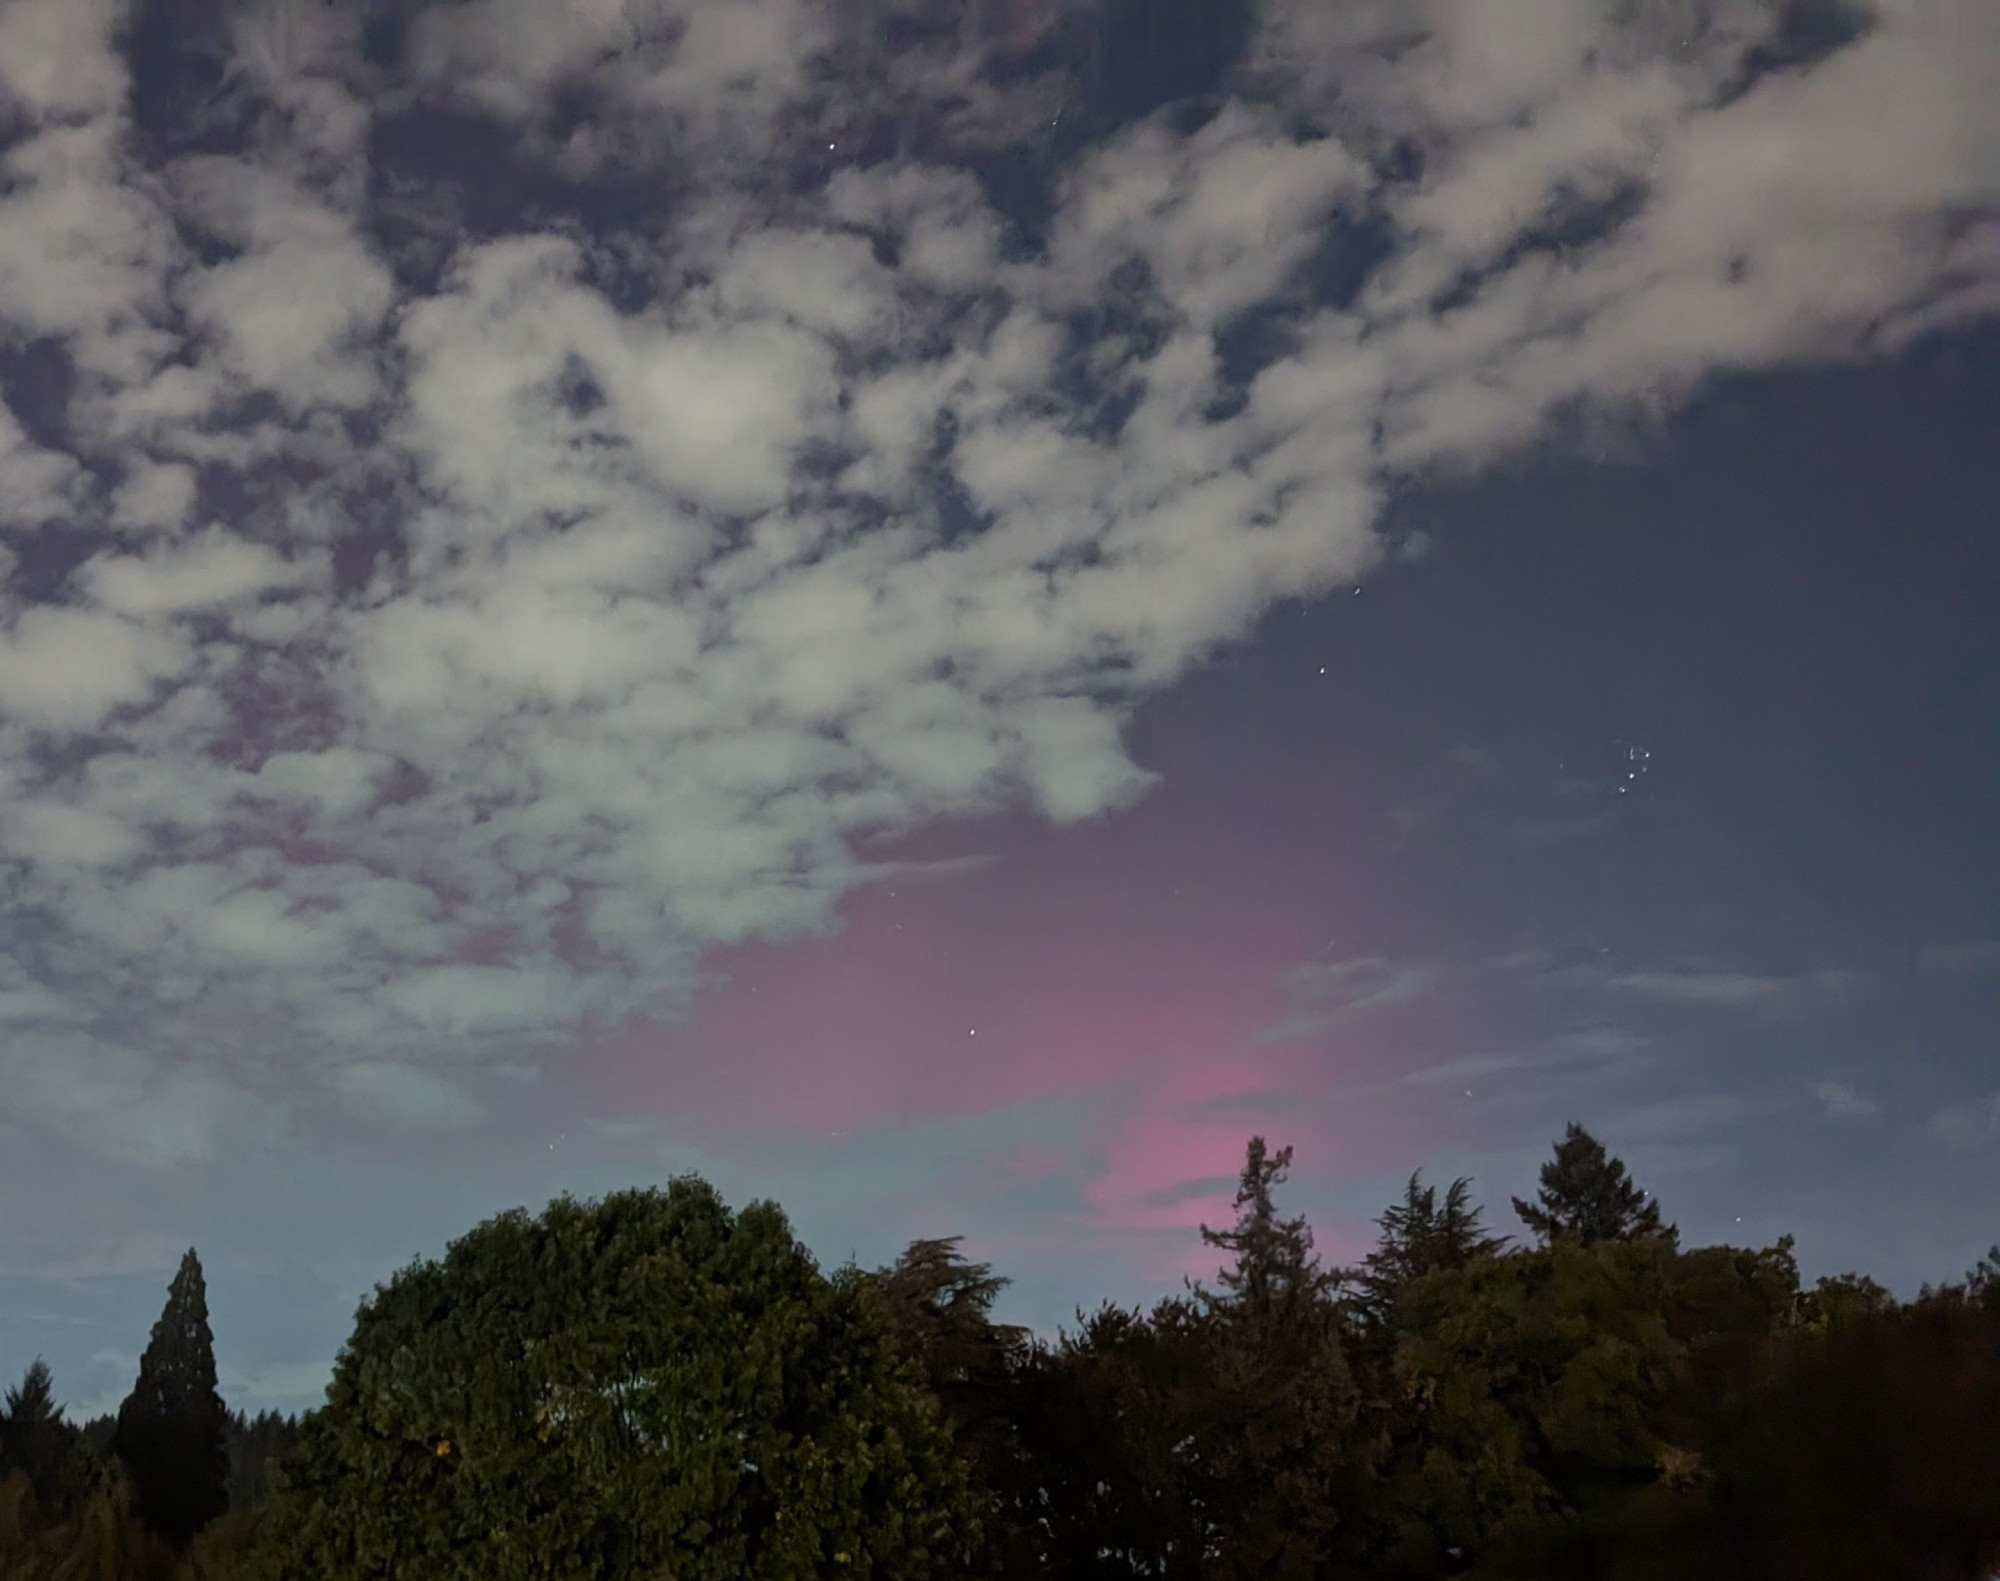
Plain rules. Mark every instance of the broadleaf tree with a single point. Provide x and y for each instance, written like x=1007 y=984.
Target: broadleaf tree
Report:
x=640 y=1386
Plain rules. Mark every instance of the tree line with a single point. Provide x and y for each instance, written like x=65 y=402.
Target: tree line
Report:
x=651 y=1385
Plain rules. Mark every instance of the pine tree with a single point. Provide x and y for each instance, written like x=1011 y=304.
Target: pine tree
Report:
x=170 y=1433
x=1274 y=1262
x=1418 y=1237
x=1588 y=1196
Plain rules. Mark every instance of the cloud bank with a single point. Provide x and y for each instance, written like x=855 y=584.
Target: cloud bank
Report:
x=501 y=499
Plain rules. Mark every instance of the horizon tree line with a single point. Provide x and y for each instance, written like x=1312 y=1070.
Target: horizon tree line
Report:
x=650 y=1384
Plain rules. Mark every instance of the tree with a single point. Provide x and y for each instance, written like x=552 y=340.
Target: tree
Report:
x=1979 y=1289
x=37 y=1441
x=1522 y=1410
x=940 y=1307
x=257 y=1445
x=644 y=1385
x=1113 y=1421
x=1873 y=1452
x=1274 y=1264
x=1588 y=1195
x=170 y=1433
x=1419 y=1237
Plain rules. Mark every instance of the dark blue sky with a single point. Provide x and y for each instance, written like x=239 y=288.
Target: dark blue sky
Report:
x=941 y=611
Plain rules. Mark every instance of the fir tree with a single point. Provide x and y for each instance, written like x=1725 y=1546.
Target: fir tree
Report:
x=1588 y=1196
x=1274 y=1264
x=171 y=1428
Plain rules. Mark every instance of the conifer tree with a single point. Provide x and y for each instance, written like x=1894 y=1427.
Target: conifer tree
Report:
x=1588 y=1196
x=36 y=1441
x=170 y=1433
x=1274 y=1263
x=1419 y=1236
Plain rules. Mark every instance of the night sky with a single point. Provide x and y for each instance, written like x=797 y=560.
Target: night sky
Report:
x=941 y=610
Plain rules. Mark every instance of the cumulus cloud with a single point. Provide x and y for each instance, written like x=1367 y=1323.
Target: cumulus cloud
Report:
x=509 y=578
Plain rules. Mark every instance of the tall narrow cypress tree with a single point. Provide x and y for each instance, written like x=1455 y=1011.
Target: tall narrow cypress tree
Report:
x=171 y=1428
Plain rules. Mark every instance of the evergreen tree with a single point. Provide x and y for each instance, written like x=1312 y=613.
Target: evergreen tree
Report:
x=257 y=1445
x=1587 y=1195
x=1419 y=1237
x=36 y=1441
x=1274 y=1264
x=171 y=1427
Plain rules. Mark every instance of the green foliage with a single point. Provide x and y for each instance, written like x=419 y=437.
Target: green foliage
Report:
x=939 y=1307
x=650 y=1386
x=647 y=1385
x=1588 y=1195
x=1522 y=1403
x=170 y=1428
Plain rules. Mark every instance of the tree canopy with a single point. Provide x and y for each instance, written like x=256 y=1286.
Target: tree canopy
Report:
x=644 y=1385
x=651 y=1385
x=1419 y=1236
x=1587 y=1194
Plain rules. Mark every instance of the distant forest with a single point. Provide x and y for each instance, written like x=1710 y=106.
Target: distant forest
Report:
x=651 y=1385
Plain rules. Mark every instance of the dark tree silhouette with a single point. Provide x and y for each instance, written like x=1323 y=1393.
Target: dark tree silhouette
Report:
x=1274 y=1263
x=257 y=1444
x=1587 y=1195
x=1419 y=1236
x=37 y=1441
x=940 y=1309
x=170 y=1433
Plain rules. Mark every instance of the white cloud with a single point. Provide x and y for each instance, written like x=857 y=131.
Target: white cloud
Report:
x=296 y=306
x=66 y=668
x=774 y=515
x=406 y=1093
x=55 y=58
x=213 y=567
x=36 y=483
